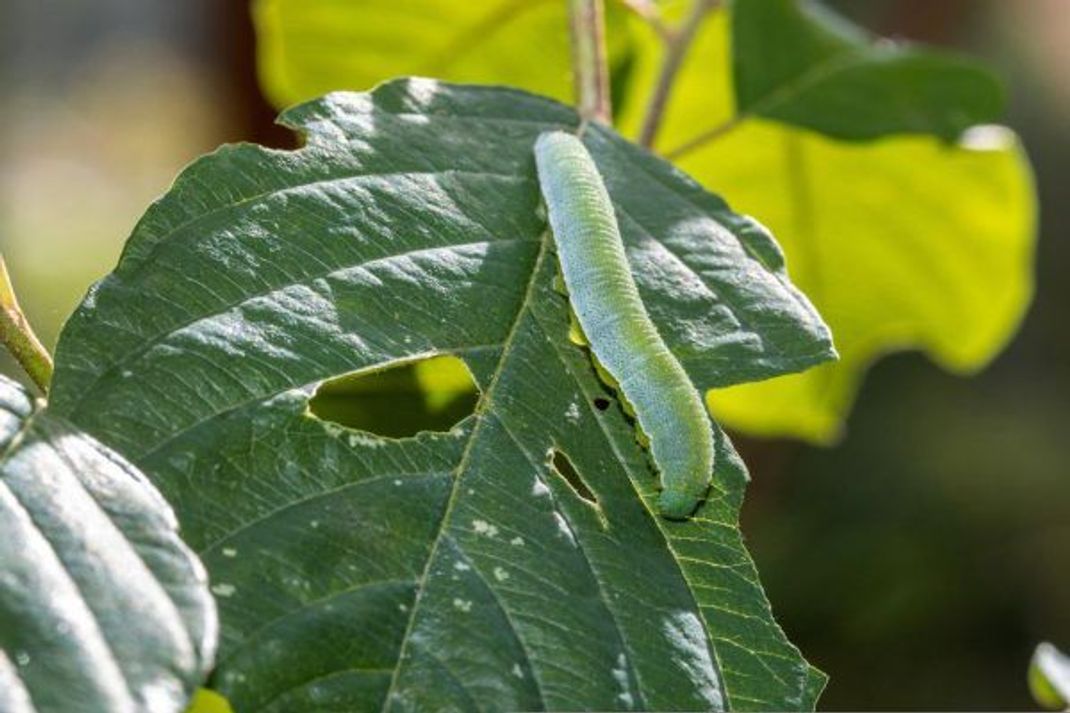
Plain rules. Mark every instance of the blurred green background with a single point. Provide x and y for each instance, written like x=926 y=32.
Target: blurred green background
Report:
x=918 y=562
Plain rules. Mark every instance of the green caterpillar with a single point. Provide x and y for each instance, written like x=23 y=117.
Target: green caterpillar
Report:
x=616 y=325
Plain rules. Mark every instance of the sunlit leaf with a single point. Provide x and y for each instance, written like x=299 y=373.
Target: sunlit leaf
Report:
x=904 y=243
x=102 y=608
x=451 y=569
x=309 y=48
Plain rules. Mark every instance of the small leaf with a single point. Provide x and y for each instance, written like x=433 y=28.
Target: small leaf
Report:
x=796 y=62
x=1049 y=677
x=102 y=608
x=460 y=569
x=904 y=243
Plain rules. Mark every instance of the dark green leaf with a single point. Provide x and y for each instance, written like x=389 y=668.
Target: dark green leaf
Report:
x=102 y=608
x=800 y=64
x=448 y=569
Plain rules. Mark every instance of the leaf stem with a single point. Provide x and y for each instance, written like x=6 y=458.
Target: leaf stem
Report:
x=706 y=137
x=647 y=10
x=19 y=337
x=589 y=65
x=677 y=42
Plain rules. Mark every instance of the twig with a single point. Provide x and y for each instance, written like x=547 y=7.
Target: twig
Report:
x=587 y=20
x=648 y=11
x=676 y=45
x=18 y=336
x=705 y=137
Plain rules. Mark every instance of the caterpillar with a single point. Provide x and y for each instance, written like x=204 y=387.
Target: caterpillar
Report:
x=617 y=327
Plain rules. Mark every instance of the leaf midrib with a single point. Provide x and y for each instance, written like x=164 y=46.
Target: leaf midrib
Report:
x=482 y=408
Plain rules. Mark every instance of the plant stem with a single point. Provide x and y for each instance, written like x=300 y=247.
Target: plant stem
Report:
x=587 y=20
x=676 y=45
x=18 y=336
x=705 y=137
x=648 y=11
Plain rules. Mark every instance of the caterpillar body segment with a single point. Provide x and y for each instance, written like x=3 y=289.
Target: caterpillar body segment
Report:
x=617 y=327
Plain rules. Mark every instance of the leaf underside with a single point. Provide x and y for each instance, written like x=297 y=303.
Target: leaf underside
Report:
x=102 y=608
x=455 y=568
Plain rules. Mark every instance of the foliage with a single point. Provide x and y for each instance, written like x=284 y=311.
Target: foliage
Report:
x=458 y=568
x=830 y=76
x=950 y=272
x=309 y=48
x=903 y=243
x=101 y=605
x=514 y=558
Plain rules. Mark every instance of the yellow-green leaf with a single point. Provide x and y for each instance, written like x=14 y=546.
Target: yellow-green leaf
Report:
x=310 y=48
x=905 y=243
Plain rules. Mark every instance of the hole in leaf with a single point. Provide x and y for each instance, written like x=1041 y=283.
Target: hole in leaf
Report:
x=399 y=401
x=601 y=404
x=562 y=465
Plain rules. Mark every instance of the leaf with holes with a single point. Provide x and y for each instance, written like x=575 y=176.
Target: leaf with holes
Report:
x=102 y=608
x=513 y=561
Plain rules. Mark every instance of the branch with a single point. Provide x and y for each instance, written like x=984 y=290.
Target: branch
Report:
x=676 y=45
x=18 y=336
x=587 y=20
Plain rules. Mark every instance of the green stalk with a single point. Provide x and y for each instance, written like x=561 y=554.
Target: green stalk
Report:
x=19 y=337
x=677 y=43
x=589 y=65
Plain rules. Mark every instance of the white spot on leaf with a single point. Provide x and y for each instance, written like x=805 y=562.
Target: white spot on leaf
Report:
x=539 y=488
x=482 y=527
x=620 y=675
